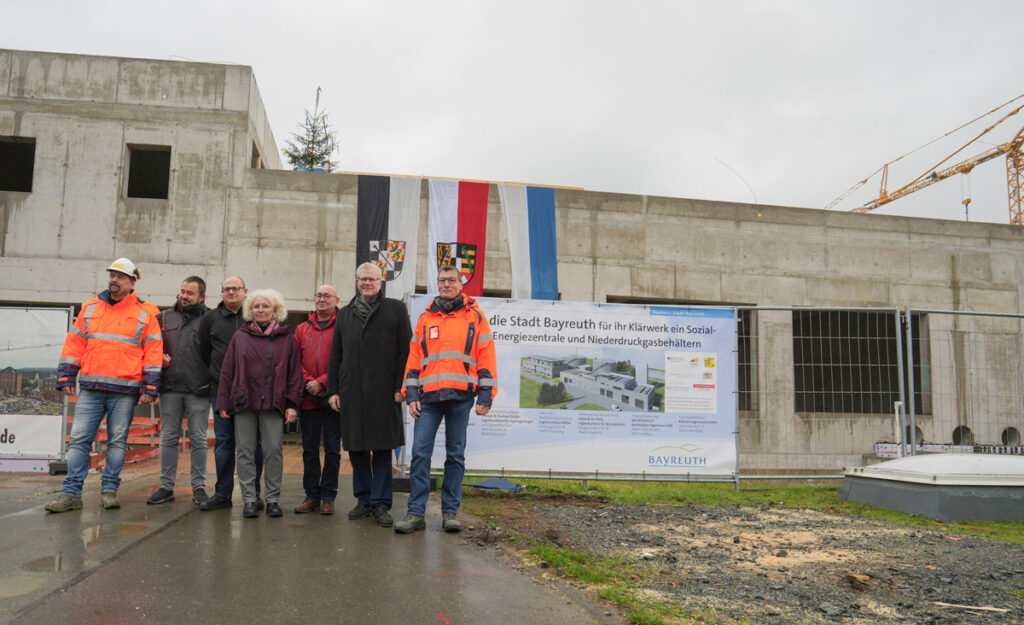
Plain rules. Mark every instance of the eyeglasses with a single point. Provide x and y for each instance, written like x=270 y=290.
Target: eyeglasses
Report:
x=367 y=279
x=447 y=280
x=231 y=289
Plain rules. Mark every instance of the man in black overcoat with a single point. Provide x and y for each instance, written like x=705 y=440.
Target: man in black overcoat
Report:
x=364 y=382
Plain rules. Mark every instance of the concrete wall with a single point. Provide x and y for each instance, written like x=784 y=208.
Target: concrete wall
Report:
x=293 y=231
x=83 y=112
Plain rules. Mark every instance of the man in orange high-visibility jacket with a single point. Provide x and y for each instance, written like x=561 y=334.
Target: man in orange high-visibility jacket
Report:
x=115 y=351
x=451 y=362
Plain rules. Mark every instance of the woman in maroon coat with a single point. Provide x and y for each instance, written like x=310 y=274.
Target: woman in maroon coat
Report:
x=261 y=383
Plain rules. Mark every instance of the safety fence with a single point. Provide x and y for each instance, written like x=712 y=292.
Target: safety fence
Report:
x=823 y=388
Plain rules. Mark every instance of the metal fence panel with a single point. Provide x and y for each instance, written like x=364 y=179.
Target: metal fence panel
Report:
x=817 y=387
x=968 y=381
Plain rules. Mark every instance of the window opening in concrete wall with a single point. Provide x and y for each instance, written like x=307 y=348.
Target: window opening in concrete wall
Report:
x=17 y=162
x=256 y=161
x=962 y=435
x=149 y=171
x=847 y=362
x=746 y=359
x=1011 y=436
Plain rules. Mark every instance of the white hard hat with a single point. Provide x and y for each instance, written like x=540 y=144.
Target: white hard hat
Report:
x=125 y=266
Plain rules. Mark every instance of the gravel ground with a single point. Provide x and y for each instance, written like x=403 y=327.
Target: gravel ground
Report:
x=772 y=564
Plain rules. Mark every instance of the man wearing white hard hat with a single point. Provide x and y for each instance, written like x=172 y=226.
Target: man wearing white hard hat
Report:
x=114 y=353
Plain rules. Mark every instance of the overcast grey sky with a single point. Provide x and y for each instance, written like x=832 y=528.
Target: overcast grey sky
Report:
x=797 y=99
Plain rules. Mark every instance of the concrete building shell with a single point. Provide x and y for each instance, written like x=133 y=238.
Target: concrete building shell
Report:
x=231 y=210
x=543 y=365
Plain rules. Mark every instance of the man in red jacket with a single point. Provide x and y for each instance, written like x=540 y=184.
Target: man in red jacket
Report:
x=316 y=419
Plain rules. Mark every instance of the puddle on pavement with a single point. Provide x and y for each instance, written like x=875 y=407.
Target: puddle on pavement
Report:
x=47 y=564
x=95 y=535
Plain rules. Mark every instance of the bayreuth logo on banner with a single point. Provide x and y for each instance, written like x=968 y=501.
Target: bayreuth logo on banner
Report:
x=460 y=255
x=389 y=256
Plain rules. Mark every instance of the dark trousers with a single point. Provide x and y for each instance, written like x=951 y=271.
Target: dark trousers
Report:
x=320 y=426
x=224 y=454
x=371 y=477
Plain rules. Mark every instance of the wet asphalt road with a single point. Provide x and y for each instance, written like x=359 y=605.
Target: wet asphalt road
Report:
x=173 y=564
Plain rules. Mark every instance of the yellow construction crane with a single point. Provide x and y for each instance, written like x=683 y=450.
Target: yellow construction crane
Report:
x=1013 y=149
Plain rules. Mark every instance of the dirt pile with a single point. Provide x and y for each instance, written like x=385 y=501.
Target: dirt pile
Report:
x=777 y=565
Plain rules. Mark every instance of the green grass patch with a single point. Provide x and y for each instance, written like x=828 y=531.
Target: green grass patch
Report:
x=590 y=407
x=583 y=567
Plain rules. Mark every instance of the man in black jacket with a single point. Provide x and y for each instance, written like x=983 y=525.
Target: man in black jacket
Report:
x=215 y=331
x=364 y=380
x=184 y=393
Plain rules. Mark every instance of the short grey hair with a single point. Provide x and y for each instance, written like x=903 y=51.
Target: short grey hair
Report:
x=369 y=265
x=272 y=296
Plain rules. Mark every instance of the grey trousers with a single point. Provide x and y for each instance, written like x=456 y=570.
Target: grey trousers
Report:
x=270 y=426
x=173 y=408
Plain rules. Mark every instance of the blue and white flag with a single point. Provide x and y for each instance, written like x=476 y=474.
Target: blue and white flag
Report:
x=532 y=244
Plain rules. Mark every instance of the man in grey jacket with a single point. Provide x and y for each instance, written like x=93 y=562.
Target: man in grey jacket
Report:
x=185 y=393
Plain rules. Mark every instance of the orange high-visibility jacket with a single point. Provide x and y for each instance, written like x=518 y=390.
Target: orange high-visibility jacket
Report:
x=114 y=347
x=451 y=351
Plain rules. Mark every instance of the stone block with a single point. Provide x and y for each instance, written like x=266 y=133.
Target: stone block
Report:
x=845 y=259
x=973 y=268
x=576 y=281
x=162 y=83
x=698 y=285
x=652 y=282
x=611 y=280
x=237 y=82
x=621 y=241
x=671 y=242
x=64 y=77
x=847 y=292
x=992 y=300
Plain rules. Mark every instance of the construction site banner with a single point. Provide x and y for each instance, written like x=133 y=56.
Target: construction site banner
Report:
x=606 y=388
x=31 y=407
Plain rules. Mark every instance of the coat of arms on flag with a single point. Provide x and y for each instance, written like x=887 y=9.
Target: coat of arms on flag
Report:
x=389 y=256
x=460 y=255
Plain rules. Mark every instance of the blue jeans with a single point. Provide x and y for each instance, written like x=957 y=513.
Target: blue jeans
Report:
x=455 y=414
x=91 y=407
x=317 y=426
x=224 y=454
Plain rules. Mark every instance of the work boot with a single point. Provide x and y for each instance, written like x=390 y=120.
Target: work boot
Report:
x=63 y=503
x=359 y=512
x=410 y=523
x=199 y=496
x=162 y=495
x=307 y=506
x=383 y=516
x=449 y=523
x=110 y=501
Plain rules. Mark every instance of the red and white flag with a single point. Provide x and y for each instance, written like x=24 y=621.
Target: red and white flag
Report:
x=457 y=232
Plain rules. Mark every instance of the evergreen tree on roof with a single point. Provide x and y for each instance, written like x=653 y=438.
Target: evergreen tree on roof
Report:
x=312 y=148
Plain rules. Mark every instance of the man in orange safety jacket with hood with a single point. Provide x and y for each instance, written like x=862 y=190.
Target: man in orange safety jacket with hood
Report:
x=451 y=363
x=115 y=351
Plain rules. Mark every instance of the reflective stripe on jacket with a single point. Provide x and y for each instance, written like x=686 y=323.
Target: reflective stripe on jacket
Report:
x=114 y=346
x=451 y=351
